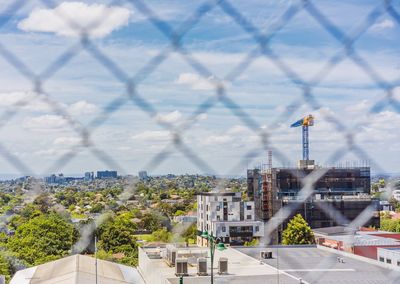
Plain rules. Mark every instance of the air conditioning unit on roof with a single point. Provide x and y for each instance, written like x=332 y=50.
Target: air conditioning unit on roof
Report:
x=202 y=266
x=181 y=267
x=171 y=256
x=223 y=265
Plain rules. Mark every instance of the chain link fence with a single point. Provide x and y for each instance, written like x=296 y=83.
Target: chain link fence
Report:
x=305 y=86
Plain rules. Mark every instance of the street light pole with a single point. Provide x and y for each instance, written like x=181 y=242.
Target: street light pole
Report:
x=212 y=251
x=211 y=242
x=95 y=254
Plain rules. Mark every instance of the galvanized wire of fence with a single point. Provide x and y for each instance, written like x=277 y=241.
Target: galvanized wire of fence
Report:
x=262 y=49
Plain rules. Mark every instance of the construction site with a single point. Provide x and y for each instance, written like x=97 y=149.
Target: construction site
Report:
x=339 y=194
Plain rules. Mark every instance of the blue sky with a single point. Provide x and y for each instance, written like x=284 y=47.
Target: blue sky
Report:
x=38 y=135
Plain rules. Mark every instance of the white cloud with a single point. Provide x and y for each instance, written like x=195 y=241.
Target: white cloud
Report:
x=383 y=25
x=217 y=139
x=396 y=93
x=105 y=19
x=238 y=130
x=148 y=135
x=45 y=122
x=361 y=107
x=26 y=100
x=9 y=99
x=202 y=116
x=83 y=108
x=30 y=101
x=171 y=117
x=236 y=136
x=66 y=141
x=176 y=117
x=195 y=81
x=49 y=152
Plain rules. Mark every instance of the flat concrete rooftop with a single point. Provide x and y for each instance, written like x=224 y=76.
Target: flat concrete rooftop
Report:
x=242 y=269
x=320 y=266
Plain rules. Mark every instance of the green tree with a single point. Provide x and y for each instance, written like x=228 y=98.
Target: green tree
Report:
x=190 y=233
x=298 y=232
x=42 y=239
x=179 y=213
x=97 y=208
x=117 y=232
x=43 y=202
x=3 y=239
x=116 y=235
x=161 y=235
x=252 y=243
x=151 y=221
x=390 y=225
x=5 y=267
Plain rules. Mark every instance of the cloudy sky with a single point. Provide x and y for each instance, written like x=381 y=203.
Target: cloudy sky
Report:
x=84 y=99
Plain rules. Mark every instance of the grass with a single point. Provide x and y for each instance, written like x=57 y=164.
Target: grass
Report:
x=144 y=237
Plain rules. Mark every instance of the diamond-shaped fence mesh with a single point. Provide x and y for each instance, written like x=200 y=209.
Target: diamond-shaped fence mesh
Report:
x=305 y=86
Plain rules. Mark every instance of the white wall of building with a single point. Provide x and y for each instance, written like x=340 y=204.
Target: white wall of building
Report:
x=210 y=214
x=396 y=194
x=389 y=257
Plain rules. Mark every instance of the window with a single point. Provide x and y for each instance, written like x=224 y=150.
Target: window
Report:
x=223 y=229
x=248 y=207
x=381 y=259
x=388 y=260
x=257 y=228
x=218 y=207
x=207 y=217
x=248 y=217
x=398 y=263
x=218 y=218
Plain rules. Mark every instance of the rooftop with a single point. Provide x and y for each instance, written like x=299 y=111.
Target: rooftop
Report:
x=242 y=269
x=78 y=269
x=391 y=248
x=320 y=266
x=336 y=230
x=218 y=193
x=358 y=238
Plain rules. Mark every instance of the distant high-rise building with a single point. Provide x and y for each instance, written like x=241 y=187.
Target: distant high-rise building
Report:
x=143 y=175
x=53 y=179
x=89 y=176
x=106 y=174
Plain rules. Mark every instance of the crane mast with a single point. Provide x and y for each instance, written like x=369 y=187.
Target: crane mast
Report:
x=305 y=123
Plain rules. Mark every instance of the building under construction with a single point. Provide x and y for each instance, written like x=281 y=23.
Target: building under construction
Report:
x=338 y=196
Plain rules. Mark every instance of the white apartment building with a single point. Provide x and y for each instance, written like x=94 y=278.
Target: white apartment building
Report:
x=227 y=216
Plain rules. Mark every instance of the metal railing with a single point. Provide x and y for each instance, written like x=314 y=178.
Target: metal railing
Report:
x=40 y=75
